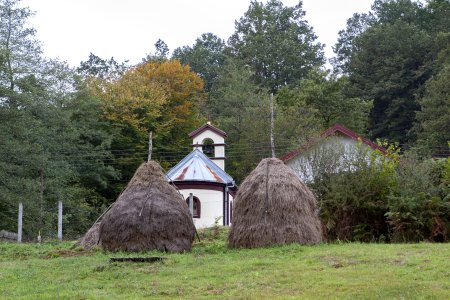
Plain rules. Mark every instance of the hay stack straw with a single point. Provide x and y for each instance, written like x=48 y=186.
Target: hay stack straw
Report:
x=148 y=215
x=273 y=207
x=92 y=238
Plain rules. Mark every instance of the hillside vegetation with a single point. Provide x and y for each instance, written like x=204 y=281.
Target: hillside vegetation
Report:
x=78 y=133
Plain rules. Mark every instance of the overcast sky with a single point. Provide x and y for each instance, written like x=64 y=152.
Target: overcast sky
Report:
x=128 y=29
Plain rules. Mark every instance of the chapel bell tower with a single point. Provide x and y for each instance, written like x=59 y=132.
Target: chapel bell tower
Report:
x=211 y=141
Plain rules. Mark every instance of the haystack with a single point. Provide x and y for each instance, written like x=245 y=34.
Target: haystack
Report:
x=149 y=215
x=273 y=207
x=92 y=238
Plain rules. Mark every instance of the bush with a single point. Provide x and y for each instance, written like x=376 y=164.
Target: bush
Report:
x=353 y=202
x=419 y=204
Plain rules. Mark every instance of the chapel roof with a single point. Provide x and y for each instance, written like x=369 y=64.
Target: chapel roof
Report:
x=206 y=127
x=196 y=166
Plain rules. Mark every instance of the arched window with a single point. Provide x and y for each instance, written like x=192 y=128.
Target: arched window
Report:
x=197 y=207
x=208 y=147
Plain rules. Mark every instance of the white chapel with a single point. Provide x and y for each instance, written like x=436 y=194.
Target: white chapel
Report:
x=201 y=176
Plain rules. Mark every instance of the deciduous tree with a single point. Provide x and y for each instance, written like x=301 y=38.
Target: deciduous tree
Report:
x=277 y=43
x=206 y=57
x=388 y=55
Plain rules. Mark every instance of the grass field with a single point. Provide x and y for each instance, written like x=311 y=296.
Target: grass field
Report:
x=56 y=270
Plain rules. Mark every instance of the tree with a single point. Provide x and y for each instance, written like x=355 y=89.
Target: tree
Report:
x=241 y=108
x=277 y=43
x=90 y=155
x=35 y=169
x=163 y=97
x=54 y=143
x=388 y=55
x=102 y=68
x=162 y=50
x=434 y=115
x=327 y=95
x=206 y=57
x=345 y=45
x=437 y=16
x=161 y=54
x=19 y=50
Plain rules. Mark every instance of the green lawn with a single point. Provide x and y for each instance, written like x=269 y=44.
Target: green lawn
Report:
x=328 y=271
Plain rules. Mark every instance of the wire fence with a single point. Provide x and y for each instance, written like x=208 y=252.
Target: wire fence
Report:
x=55 y=225
x=75 y=220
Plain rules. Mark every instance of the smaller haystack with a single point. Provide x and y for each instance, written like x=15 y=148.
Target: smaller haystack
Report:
x=273 y=207
x=92 y=238
x=149 y=215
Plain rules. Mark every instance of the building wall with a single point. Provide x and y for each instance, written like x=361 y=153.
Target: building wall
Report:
x=335 y=154
x=211 y=206
x=219 y=151
x=208 y=134
x=219 y=162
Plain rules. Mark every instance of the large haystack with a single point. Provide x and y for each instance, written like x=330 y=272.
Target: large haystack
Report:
x=273 y=207
x=92 y=238
x=148 y=215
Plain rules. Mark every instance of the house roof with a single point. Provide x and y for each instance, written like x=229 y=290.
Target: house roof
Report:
x=335 y=129
x=196 y=166
x=206 y=127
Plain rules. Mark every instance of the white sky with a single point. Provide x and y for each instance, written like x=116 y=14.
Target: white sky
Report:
x=128 y=30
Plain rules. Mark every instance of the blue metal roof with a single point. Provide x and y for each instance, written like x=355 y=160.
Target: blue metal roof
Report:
x=196 y=166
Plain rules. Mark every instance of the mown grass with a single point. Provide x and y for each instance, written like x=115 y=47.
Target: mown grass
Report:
x=328 y=271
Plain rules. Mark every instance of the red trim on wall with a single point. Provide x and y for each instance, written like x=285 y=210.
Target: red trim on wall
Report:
x=335 y=129
x=206 y=127
x=200 y=145
x=204 y=185
x=199 y=185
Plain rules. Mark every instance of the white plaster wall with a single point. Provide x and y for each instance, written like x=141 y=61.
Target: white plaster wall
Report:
x=219 y=151
x=333 y=155
x=211 y=206
x=208 y=134
x=219 y=162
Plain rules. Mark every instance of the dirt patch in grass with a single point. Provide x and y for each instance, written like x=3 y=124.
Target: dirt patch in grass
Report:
x=66 y=253
x=398 y=262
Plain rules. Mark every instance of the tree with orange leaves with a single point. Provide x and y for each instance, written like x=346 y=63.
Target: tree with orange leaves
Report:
x=159 y=96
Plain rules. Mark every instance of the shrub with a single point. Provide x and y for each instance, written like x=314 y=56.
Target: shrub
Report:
x=419 y=204
x=354 y=201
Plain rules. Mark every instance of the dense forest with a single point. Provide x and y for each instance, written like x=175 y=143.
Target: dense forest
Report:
x=78 y=134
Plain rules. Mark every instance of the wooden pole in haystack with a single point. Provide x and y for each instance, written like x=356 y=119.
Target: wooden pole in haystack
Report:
x=150 y=146
x=272 y=141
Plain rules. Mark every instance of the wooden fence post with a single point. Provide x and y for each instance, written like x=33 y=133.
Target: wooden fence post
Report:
x=19 y=226
x=60 y=209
